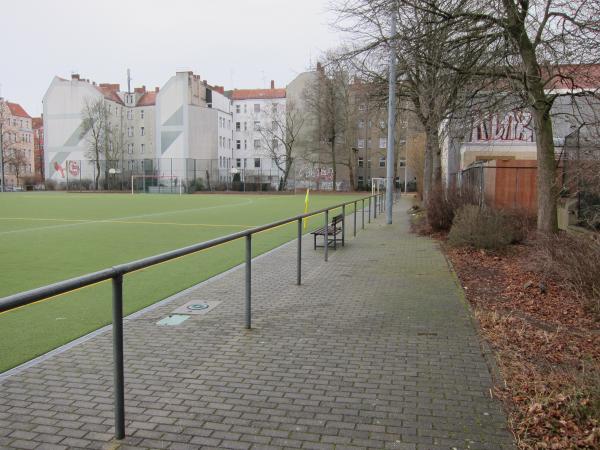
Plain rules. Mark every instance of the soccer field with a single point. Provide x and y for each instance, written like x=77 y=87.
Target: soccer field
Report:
x=49 y=237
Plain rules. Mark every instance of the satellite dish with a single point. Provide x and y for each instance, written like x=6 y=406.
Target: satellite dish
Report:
x=112 y=171
x=235 y=170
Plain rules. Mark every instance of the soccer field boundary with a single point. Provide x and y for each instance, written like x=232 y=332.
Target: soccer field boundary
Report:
x=139 y=216
x=215 y=225
x=80 y=340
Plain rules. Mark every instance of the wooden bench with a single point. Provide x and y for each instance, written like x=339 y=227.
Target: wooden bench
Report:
x=333 y=230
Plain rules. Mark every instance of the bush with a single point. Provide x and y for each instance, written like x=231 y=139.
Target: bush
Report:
x=442 y=207
x=576 y=259
x=484 y=228
x=50 y=185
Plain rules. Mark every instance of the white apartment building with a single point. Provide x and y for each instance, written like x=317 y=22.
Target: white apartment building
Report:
x=162 y=129
x=254 y=109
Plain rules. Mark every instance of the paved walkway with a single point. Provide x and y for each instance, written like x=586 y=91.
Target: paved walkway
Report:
x=375 y=350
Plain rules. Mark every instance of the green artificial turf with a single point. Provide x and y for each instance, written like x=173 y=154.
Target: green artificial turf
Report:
x=49 y=237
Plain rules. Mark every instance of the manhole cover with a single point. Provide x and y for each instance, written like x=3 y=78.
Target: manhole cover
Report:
x=197 y=306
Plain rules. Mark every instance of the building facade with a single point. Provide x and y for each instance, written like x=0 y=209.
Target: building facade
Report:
x=17 y=145
x=259 y=120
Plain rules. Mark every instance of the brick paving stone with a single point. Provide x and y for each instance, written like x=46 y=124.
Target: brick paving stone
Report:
x=376 y=349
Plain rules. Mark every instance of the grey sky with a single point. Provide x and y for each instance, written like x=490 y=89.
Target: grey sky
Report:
x=235 y=43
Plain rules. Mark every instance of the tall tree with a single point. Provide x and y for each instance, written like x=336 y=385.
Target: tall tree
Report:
x=282 y=125
x=95 y=130
x=544 y=51
x=328 y=100
x=424 y=45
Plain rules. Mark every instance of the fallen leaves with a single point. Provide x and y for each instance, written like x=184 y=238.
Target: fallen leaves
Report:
x=546 y=344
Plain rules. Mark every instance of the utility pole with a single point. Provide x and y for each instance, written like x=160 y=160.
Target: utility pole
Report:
x=391 y=123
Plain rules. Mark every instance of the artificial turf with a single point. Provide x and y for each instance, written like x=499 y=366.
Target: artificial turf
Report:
x=49 y=237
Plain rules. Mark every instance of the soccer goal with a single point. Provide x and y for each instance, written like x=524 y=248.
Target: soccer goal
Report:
x=156 y=184
x=378 y=185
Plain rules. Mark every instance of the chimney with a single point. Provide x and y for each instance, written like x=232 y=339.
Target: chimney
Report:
x=319 y=67
x=74 y=76
x=272 y=84
x=156 y=89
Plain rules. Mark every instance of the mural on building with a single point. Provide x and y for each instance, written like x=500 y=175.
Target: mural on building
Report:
x=515 y=126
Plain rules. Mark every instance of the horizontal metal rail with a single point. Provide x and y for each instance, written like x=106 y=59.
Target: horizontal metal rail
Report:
x=117 y=272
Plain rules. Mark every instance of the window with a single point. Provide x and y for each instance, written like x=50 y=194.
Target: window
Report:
x=130 y=148
x=237 y=109
x=142 y=148
x=130 y=131
x=129 y=114
x=229 y=143
x=370 y=124
x=382 y=124
x=245 y=126
x=245 y=163
x=245 y=144
x=382 y=161
x=238 y=144
x=141 y=131
x=238 y=126
x=256 y=163
x=257 y=125
x=257 y=107
x=362 y=107
x=369 y=163
x=141 y=114
x=256 y=144
x=361 y=143
x=245 y=109
x=274 y=107
x=361 y=123
x=361 y=161
x=382 y=142
x=238 y=162
x=403 y=163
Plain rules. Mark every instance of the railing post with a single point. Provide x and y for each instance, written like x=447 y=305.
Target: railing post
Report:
x=326 y=237
x=119 y=377
x=354 y=219
x=343 y=224
x=299 y=268
x=369 y=211
x=375 y=207
x=248 y=281
x=363 y=213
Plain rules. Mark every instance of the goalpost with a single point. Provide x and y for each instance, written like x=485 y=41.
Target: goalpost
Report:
x=378 y=185
x=156 y=184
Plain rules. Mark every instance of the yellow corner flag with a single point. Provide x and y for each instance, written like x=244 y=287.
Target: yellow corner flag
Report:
x=306 y=208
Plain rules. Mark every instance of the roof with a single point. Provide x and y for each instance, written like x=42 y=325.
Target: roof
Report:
x=109 y=94
x=571 y=76
x=37 y=122
x=148 y=99
x=17 y=110
x=248 y=94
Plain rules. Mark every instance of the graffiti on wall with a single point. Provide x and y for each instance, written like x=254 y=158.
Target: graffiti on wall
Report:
x=515 y=126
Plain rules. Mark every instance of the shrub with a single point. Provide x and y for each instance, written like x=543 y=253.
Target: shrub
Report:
x=484 y=228
x=442 y=207
x=50 y=185
x=576 y=259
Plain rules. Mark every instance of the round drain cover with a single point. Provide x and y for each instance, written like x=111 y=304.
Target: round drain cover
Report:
x=197 y=306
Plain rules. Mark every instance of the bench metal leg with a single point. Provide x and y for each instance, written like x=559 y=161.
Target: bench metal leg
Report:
x=326 y=237
x=343 y=223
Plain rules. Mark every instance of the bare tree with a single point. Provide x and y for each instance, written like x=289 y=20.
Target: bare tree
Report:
x=279 y=136
x=96 y=132
x=544 y=51
x=423 y=45
x=4 y=139
x=328 y=100
x=16 y=161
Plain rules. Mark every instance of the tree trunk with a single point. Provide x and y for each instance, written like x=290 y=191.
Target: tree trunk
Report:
x=351 y=170
x=97 y=173
x=428 y=166
x=547 y=220
x=333 y=164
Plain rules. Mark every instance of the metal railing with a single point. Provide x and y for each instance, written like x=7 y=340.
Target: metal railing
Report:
x=116 y=273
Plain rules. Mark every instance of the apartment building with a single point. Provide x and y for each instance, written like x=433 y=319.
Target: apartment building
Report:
x=17 y=145
x=258 y=125
x=152 y=131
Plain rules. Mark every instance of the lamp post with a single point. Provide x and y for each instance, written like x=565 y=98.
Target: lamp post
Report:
x=391 y=122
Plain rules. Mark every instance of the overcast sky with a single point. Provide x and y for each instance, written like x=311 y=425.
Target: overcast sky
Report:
x=235 y=43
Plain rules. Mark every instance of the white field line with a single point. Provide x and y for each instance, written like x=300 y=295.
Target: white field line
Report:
x=117 y=219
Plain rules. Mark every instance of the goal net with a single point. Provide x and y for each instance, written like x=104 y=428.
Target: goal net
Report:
x=156 y=184
x=378 y=185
